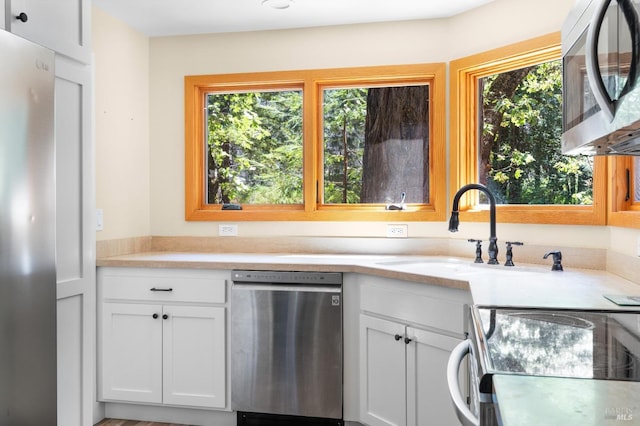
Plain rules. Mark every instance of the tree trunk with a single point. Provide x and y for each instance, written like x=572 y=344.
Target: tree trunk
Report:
x=217 y=181
x=396 y=145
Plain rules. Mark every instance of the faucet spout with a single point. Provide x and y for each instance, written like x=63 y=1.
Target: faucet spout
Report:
x=454 y=221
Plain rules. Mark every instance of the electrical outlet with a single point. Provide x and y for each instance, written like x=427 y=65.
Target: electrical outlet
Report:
x=228 y=230
x=397 y=231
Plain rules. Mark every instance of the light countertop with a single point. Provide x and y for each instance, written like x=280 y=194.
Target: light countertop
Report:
x=551 y=401
x=490 y=285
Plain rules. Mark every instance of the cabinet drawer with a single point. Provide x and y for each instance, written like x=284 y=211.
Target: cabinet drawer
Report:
x=428 y=306
x=163 y=285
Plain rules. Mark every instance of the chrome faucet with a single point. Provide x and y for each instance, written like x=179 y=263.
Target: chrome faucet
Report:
x=455 y=221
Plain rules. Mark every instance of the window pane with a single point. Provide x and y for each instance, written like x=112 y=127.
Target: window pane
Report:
x=254 y=142
x=376 y=144
x=519 y=148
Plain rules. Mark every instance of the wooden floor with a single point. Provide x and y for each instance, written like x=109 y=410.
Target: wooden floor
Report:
x=118 y=422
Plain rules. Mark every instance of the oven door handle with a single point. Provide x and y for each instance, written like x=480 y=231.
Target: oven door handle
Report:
x=458 y=354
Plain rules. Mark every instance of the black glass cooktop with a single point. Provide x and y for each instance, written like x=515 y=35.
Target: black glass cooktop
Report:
x=561 y=343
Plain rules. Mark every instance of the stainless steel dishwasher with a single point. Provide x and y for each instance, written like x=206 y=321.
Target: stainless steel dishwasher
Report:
x=286 y=347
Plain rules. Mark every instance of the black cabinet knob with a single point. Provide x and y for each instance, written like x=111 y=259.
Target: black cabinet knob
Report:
x=397 y=337
x=165 y=316
x=155 y=316
x=407 y=340
x=22 y=17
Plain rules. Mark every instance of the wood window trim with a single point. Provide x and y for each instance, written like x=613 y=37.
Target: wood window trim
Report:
x=464 y=75
x=622 y=212
x=312 y=82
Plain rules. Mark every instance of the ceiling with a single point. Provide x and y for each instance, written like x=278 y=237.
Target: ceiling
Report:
x=181 y=17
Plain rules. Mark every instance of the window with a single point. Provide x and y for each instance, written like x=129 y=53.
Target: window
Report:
x=506 y=126
x=376 y=145
x=341 y=144
x=520 y=157
x=254 y=147
x=625 y=192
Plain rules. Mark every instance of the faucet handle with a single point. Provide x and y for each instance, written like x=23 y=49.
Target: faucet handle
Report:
x=478 y=250
x=509 y=255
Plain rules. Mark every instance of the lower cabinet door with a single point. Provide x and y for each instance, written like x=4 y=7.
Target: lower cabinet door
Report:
x=428 y=401
x=382 y=372
x=194 y=340
x=132 y=352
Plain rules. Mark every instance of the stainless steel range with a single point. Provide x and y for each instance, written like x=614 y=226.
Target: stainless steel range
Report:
x=597 y=345
x=286 y=348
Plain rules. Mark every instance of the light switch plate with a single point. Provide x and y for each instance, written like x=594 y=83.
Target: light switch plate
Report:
x=99 y=220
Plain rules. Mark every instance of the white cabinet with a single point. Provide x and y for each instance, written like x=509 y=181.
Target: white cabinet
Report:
x=194 y=352
x=383 y=372
x=131 y=352
x=404 y=352
x=75 y=243
x=403 y=374
x=163 y=337
x=428 y=401
x=61 y=25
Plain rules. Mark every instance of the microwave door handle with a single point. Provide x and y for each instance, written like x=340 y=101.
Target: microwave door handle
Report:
x=631 y=17
x=458 y=354
x=593 y=69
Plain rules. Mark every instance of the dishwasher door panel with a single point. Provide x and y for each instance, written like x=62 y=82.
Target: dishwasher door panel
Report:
x=286 y=350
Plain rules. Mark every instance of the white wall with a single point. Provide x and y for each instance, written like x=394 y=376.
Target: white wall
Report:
x=121 y=58
x=496 y=24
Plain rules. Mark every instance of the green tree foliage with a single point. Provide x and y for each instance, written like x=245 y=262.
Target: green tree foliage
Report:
x=344 y=121
x=255 y=147
x=525 y=164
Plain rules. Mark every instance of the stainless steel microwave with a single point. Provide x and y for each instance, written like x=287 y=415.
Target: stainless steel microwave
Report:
x=601 y=78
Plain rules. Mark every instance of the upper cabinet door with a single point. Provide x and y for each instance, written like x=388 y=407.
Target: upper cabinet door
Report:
x=61 y=25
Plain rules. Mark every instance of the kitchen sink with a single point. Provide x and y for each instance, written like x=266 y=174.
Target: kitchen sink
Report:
x=436 y=260
x=461 y=266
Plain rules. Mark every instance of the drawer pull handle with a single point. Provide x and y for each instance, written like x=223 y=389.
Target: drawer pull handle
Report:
x=155 y=316
x=407 y=340
x=165 y=316
x=161 y=289
x=397 y=337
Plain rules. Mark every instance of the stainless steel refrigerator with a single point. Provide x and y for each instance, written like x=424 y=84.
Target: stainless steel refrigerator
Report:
x=27 y=234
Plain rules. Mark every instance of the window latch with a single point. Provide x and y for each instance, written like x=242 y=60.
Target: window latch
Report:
x=398 y=206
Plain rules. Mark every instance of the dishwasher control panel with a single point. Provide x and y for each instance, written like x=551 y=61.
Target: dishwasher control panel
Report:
x=286 y=277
